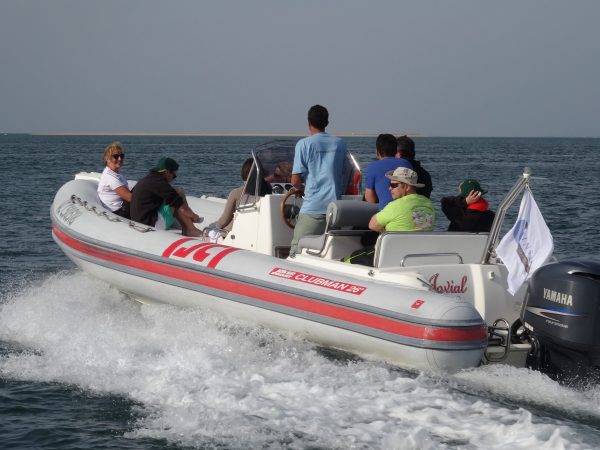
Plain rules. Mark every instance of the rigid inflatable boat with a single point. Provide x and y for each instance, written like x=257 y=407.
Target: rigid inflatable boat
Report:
x=432 y=300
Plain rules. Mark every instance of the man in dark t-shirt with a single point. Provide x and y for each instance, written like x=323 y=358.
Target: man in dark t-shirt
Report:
x=406 y=150
x=154 y=195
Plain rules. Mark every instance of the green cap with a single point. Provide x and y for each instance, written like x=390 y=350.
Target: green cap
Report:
x=166 y=164
x=470 y=185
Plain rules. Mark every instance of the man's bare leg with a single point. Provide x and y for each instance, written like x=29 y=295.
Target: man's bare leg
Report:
x=186 y=218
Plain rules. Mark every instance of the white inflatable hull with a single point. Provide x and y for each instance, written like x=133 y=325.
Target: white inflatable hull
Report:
x=412 y=327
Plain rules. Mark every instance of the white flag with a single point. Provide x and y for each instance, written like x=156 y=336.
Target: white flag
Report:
x=527 y=245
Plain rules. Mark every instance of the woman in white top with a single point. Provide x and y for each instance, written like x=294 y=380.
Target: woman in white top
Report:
x=112 y=187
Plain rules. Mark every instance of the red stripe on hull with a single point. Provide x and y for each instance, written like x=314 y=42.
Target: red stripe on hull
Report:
x=430 y=333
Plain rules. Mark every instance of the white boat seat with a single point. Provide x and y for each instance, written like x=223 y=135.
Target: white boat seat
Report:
x=402 y=248
x=311 y=242
x=343 y=218
x=316 y=242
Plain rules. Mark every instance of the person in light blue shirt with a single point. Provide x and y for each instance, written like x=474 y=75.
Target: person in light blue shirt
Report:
x=376 y=183
x=319 y=160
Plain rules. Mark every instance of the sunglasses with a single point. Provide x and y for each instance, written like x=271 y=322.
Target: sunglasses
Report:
x=174 y=175
x=394 y=185
x=118 y=156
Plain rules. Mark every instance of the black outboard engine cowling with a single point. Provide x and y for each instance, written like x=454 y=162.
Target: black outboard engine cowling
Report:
x=561 y=313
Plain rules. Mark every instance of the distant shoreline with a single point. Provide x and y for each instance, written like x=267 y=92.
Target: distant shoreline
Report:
x=275 y=135
x=197 y=134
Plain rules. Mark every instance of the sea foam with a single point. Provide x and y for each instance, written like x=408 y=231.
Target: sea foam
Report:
x=202 y=380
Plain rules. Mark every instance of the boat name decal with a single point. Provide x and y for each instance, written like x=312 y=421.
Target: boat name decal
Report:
x=450 y=286
x=317 y=281
x=205 y=252
x=558 y=297
x=68 y=212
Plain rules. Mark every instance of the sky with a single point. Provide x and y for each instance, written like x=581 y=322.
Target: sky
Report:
x=423 y=67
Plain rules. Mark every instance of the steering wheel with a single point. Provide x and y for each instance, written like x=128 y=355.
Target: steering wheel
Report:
x=290 y=209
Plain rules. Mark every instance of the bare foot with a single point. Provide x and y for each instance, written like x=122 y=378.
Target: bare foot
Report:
x=194 y=232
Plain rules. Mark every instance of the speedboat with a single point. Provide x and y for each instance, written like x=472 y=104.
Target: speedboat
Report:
x=431 y=300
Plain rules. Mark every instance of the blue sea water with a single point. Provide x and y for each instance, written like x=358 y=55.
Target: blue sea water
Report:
x=82 y=367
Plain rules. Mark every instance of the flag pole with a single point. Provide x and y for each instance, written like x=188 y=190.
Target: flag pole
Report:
x=506 y=203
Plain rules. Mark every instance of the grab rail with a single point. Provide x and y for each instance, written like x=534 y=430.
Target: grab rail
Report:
x=111 y=218
x=506 y=203
x=424 y=255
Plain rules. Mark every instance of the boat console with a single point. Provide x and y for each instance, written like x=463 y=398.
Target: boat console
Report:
x=281 y=188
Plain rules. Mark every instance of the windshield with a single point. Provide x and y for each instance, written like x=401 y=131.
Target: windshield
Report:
x=276 y=158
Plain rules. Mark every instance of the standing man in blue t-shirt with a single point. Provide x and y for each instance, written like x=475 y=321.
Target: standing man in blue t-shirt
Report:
x=318 y=159
x=376 y=183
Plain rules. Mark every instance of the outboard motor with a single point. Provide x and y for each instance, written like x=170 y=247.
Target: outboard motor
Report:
x=561 y=314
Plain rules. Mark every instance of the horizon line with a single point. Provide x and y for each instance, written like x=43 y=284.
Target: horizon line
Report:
x=196 y=133
x=271 y=134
